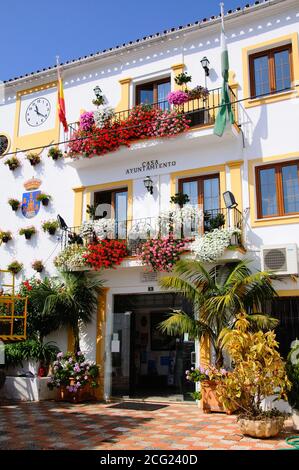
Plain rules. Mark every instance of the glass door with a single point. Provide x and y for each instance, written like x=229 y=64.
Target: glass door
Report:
x=120 y=208
x=121 y=354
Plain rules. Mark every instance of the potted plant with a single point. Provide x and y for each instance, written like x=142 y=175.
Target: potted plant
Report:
x=199 y=92
x=161 y=254
x=177 y=98
x=211 y=222
x=180 y=198
x=91 y=211
x=5 y=236
x=33 y=158
x=182 y=79
x=13 y=163
x=44 y=198
x=28 y=232
x=15 y=267
x=50 y=226
x=258 y=372
x=55 y=153
x=209 y=378
x=14 y=204
x=38 y=266
x=293 y=375
x=74 y=377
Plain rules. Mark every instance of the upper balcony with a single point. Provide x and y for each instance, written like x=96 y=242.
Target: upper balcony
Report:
x=151 y=122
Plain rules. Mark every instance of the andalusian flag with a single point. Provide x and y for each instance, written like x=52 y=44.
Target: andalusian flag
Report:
x=225 y=113
x=60 y=101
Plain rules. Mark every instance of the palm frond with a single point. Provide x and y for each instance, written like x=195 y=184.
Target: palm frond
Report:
x=260 y=321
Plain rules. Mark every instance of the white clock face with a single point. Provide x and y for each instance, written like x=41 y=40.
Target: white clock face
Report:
x=38 y=112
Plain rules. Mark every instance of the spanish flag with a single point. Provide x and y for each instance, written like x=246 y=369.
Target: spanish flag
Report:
x=60 y=102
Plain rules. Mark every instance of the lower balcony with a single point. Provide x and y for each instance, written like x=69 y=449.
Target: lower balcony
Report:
x=210 y=236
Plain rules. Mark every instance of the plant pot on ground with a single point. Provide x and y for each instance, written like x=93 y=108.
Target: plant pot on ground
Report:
x=14 y=204
x=13 y=163
x=33 y=158
x=258 y=372
x=55 y=153
x=5 y=236
x=38 y=266
x=15 y=267
x=44 y=198
x=28 y=232
x=50 y=226
x=293 y=375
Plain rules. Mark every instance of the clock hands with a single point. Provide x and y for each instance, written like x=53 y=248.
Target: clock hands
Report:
x=37 y=111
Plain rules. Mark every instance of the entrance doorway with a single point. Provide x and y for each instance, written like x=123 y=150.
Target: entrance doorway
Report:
x=146 y=362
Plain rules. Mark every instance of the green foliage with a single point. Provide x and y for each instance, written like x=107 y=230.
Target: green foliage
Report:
x=182 y=78
x=27 y=231
x=33 y=158
x=50 y=226
x=293 y=375
x=31 y=349
x=258 y=372
x=217 y=296
x=213 y=222
x=55 y=153
x=5 y=236
x=180 y=198
x=37 y=265
x=13 y=163
x=14 y=204
x=91 y=211
x=15 y=267
x=43 y=197
x=196 y=395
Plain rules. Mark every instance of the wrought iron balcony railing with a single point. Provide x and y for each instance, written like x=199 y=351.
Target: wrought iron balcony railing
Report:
x=201 y=111
x=137 y=231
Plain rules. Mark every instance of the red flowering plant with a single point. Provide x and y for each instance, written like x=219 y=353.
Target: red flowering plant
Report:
x=143 y=121
x=161 y=254
x=105 y=254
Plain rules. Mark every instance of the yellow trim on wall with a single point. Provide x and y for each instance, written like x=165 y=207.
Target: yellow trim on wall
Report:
x=100 y=340
x=174 y=177
x=236 y=181
x=176 y=69
x=38 y=139
x=9 y=143
x=287 y=219
x=88 y=190
x=246 y=51
x=124 y=102
x=288 y=293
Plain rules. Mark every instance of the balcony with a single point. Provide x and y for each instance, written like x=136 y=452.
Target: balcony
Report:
x=201 y=112
x=137 y=231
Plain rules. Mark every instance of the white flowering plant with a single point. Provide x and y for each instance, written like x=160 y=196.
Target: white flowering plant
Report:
x=71 y=257
x=102 y=228
x=209 y=247
x=103 y=115
x=180 y=220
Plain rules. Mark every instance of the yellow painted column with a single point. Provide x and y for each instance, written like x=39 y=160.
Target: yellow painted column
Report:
x=124 y=102
x=235 y=168
x=234 y=85
x=100 y=340
x=177 y=69
x=78 y=205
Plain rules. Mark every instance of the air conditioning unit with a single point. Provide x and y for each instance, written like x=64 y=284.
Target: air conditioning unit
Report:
x=281 y=259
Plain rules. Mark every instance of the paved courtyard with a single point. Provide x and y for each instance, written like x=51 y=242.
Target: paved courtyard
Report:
x=51 y=425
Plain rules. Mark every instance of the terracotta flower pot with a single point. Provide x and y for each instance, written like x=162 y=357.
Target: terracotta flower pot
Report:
x=83 y=394
x=262 y=428
x=295 y=418
x=210 y=400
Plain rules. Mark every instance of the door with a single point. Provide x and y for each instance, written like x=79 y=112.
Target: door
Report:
x=121 y=349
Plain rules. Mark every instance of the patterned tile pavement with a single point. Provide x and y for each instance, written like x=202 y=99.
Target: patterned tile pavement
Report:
x=51 y=425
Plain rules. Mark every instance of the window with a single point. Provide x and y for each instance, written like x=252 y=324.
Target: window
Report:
x=270 y=71
x=278 y=189
x=203 y=191
x=154 y=93
x=118 y=201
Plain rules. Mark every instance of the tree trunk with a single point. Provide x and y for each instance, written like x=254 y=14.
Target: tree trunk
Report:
x=219 y=359
x=76 y=338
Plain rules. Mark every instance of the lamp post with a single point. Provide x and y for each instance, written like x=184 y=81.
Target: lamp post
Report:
x=97 y=91
x=205 y=65
x=148 y=183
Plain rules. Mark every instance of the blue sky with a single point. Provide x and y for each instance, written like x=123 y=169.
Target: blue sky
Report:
x=33 y=32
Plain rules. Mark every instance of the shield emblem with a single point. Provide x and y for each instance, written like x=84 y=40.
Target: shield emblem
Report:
x=30 y=205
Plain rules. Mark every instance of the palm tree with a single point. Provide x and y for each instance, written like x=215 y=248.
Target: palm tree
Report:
x=217 y=296
x=72 y=300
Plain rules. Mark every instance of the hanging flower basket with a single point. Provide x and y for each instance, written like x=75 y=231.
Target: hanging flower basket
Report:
x=14 y=204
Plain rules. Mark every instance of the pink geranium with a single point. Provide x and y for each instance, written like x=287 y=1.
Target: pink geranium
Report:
x=86 y=121
x=177 y=97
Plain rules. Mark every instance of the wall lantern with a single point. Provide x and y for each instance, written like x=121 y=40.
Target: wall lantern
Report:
x=205 y=65
x=98 y=92
x=229 y=200
x=148 y=183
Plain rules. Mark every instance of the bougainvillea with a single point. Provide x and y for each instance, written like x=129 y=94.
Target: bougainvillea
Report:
x=161 y=254
x=142 y=122
x=86 y=121
x=105 y=254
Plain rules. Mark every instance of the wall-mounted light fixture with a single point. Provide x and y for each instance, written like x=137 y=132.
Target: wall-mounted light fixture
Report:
x=205 y=65
x=98 y=92
x=229 y=200
x=148 y=183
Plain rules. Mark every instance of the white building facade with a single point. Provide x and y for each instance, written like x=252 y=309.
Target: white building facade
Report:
x=257 y=159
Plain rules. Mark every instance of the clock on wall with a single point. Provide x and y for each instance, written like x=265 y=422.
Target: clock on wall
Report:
x=37 y=112
x=4 y=144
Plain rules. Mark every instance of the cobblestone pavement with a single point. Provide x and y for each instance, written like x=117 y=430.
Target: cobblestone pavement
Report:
x=51 y=425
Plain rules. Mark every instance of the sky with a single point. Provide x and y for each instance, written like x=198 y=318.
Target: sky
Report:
x=33 y=32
